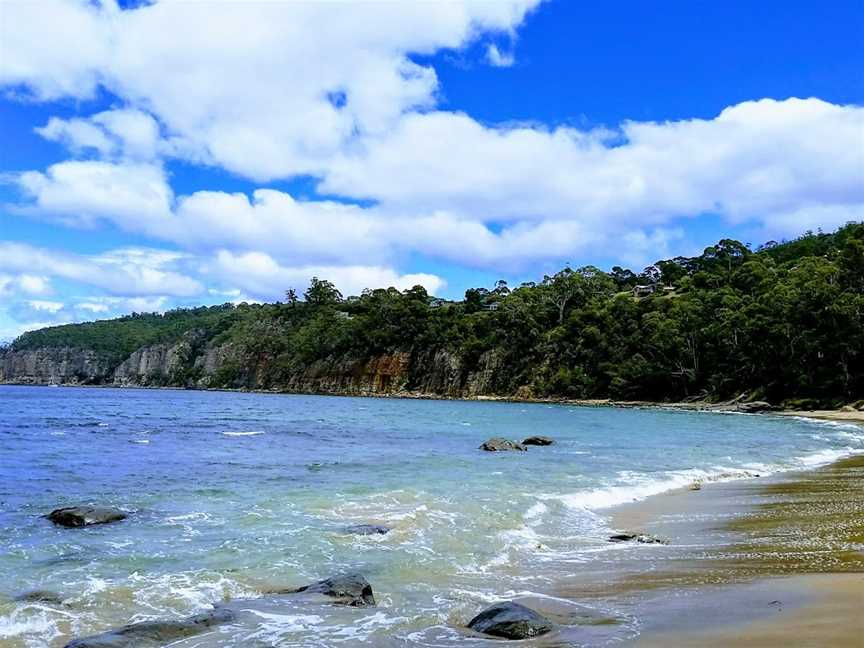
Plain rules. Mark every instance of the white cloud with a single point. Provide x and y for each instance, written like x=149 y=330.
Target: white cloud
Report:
x=260 y=275
x=124 y=133
x=92 y=307
x=753 y=161
x=130 y=272
x=450 y=188
x=497 y=58
x=27 y=284
x=43 y=305
x=252 y=90
x=81 y=192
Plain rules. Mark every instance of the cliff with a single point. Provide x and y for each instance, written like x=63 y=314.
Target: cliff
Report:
x=51 y=366
x=192 y=363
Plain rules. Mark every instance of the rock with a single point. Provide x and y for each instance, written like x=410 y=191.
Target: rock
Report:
x=538 y=441
x=500 y=445
x=695 y=486
x=642 y=538
x=39 y=596
x=755 y=406
x=347 y=589
x=367 y=529
x=154 y=634
x=79 y=516
x=848 y=408
x=511 y=620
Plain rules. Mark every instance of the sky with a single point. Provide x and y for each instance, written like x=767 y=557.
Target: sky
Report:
x=169 y=153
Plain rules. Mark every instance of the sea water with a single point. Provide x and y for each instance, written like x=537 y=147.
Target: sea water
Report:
x=233 y=494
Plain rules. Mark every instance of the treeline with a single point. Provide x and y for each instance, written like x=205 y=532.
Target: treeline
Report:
x=781 y=323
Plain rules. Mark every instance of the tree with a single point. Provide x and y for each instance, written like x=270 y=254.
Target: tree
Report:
x=562 y=288
x=291 y=297
x=322 y=293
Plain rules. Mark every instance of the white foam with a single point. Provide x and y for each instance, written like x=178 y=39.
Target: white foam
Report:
x=30 y=622
x=823 y=457
x=242 y=434
x=639 y=486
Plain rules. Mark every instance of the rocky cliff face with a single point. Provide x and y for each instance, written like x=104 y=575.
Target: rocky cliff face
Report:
x=54 y=366
x=191 y=362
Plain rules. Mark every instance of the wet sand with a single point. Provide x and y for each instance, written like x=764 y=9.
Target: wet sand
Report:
x=816 y=610
x=761 y=562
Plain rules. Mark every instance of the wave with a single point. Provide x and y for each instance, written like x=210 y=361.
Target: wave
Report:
x=241 y=434
x=639 y=486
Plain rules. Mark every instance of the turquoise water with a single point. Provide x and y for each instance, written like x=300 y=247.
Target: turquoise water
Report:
x=230 y=494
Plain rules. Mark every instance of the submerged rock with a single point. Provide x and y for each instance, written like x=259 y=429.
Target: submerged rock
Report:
x=154 y=634
x=538 y=441
x=643 y=538
x=347 y=589
x=79 y=516
x=367 y=529
x=500 y=445
x=511 y=620
x=39 y=596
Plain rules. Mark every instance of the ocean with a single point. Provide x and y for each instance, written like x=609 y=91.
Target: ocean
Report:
x=230 y=495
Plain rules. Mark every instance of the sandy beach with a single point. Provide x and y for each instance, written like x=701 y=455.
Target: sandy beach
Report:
x=768 y=562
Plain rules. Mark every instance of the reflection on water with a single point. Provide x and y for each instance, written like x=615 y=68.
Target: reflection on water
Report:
x=232 y=495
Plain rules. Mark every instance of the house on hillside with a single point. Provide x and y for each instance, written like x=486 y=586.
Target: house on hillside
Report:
x=644 y=290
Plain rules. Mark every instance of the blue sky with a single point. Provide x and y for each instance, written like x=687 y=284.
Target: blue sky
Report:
x=181 y=153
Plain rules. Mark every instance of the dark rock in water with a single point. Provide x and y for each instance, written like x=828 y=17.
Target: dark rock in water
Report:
x=644 y=538
x=39 y=596
x=511 y=621
x=538 y=441
x=154 y=634
x=367 y=529
x=754 y=407
x=500 y=445
x=79 y=516
x=347 y=589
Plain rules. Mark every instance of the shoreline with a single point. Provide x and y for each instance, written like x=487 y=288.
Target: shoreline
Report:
x=840 y=414
x=766 y=562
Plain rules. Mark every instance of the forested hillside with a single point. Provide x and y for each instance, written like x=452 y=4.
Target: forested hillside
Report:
x=781 y=323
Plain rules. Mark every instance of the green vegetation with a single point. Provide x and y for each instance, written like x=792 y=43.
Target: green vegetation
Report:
x=783 y=322
x=117 y=338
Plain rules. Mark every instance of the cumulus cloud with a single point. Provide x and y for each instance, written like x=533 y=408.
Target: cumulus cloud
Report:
x=124 y=133
x=260 y=275
x=752 y=161
x=504 y=196
x=236 y=85
x=83 y=191
x=125 y=272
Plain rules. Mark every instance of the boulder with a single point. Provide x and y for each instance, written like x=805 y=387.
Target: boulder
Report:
x=754 y=407
x=39 y=596
x=367 y=529
x=347 y=589
x=695 y=486
x=538 y=441
x=500 y=445
x=79 y=516
x=643 y=538
x=154 y=634
x=510 y=620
